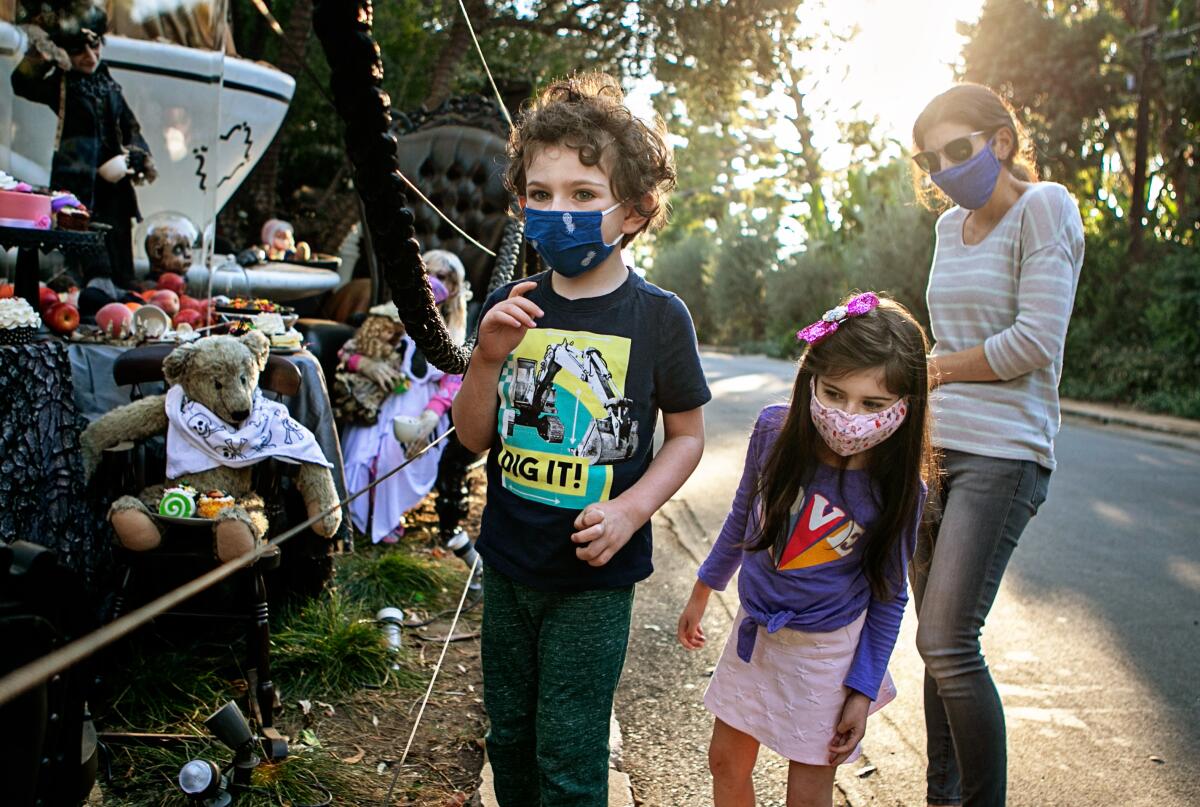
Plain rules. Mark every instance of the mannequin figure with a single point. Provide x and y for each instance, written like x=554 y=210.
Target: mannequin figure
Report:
x=100 y=153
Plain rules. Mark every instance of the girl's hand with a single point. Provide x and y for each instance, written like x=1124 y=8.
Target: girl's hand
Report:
x=506 y=323
x=850 y=729
x=689 y=632
x=604 y=528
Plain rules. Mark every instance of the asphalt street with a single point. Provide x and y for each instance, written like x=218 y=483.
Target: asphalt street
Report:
x=1094 y=640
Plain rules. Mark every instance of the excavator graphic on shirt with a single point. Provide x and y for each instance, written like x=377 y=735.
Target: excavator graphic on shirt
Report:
x=608 y=440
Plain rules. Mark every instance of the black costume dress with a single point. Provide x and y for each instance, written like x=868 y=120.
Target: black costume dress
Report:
x=95 y=125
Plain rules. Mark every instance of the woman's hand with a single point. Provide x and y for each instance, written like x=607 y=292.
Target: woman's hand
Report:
x=689 y=632
x=381 y=372
x=851 y=728
x=506 y=323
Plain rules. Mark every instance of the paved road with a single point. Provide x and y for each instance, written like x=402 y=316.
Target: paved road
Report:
x=1094 y=639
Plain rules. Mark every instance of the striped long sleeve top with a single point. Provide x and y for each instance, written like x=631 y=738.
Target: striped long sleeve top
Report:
x=1013 y=292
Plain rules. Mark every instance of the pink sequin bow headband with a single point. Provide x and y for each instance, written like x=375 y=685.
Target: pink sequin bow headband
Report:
x=831 y=319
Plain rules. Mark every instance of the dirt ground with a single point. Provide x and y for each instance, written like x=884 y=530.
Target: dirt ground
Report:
x=371 y=729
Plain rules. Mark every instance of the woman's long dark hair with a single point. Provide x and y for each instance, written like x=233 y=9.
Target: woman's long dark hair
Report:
x=886 y=337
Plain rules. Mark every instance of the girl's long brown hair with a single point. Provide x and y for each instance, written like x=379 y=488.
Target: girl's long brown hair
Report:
x=889 y=338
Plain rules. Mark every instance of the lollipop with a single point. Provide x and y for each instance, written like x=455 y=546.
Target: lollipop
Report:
x=177 y=503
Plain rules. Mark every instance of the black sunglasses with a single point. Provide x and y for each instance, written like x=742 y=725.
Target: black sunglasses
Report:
x=957 y=150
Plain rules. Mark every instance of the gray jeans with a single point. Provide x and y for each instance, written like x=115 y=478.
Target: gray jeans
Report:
x=961 y=556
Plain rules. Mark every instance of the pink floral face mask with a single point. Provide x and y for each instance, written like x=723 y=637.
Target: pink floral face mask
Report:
x=850 y=434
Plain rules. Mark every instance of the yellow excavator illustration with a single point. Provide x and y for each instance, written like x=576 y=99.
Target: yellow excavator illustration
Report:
x=609 y=439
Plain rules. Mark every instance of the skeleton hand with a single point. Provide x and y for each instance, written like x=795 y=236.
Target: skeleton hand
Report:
x=425 y=425
x=382 y=373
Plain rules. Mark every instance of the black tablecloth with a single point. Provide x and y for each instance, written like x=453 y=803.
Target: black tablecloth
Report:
x=42 y=486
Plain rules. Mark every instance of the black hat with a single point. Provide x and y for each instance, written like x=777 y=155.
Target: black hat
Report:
x=87 y=29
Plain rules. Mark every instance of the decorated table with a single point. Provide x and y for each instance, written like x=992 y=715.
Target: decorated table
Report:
x=28 y=242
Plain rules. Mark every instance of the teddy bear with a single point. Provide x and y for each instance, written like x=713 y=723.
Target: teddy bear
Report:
x=218 y=425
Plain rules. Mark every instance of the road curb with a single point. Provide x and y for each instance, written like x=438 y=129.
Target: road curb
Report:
x=1102 y=413
x=689 y=534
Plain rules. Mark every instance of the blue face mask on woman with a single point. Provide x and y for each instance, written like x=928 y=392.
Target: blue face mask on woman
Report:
x=570 y=242
x=971 y=184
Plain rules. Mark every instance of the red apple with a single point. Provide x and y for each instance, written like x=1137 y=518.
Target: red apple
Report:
x=7 y=290
x=115 y=319
x=186 y=302
x=166 y=300
x=62 y=318
x=190 y=316
x=47 y=297
x=172 y=282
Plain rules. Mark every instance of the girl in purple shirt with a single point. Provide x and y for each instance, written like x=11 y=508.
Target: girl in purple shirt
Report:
x=823 y=525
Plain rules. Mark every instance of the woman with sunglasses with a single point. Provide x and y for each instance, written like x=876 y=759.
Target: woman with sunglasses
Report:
x=100 y=152
x=1000 y=295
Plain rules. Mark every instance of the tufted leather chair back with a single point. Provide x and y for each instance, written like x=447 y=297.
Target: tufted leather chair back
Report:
x=460 y=169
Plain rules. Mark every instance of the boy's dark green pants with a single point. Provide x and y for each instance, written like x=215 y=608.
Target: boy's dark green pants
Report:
x=551 y=662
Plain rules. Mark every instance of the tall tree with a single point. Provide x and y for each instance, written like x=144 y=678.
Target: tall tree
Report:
x=1079 y=96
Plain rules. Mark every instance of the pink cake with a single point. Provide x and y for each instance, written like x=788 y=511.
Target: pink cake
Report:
x=24 y=210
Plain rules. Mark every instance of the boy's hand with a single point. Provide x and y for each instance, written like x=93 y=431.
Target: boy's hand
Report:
x=689 y=632
x=604 y=528
x=506 y=323
x=850 y=729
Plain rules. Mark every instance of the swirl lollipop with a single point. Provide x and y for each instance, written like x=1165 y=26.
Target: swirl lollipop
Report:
x=177 y=503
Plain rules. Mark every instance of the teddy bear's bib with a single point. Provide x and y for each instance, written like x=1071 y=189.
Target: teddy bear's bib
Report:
x=198 y=440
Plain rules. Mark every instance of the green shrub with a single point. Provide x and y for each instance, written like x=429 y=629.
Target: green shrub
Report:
x=330 y=648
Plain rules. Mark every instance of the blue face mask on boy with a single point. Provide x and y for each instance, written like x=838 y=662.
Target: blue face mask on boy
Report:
x=971 y=184
x=570 y=242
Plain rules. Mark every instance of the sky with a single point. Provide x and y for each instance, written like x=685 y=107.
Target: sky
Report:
x=901 y=57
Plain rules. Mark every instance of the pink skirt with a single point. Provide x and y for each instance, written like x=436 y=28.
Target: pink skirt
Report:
x=790 y=695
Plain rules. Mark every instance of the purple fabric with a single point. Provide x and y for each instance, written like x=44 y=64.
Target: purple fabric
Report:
x=818 y=598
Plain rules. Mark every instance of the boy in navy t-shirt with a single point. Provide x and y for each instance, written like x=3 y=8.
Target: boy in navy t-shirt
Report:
x=571 y=370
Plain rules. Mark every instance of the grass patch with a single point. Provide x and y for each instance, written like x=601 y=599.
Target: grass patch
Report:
x=328 y=648
x=201 y=678
x=394 y=578
x=147 y=776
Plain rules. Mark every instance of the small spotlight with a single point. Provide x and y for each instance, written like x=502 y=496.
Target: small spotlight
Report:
x=392 y=619
x=230 y=727
x=202 y=781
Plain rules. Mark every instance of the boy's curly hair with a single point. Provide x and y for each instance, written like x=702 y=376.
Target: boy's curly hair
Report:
x=587 y=113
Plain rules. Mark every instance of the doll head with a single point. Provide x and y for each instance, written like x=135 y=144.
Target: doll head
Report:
x=82 y=39
x=278 y=238
x=169 y=249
